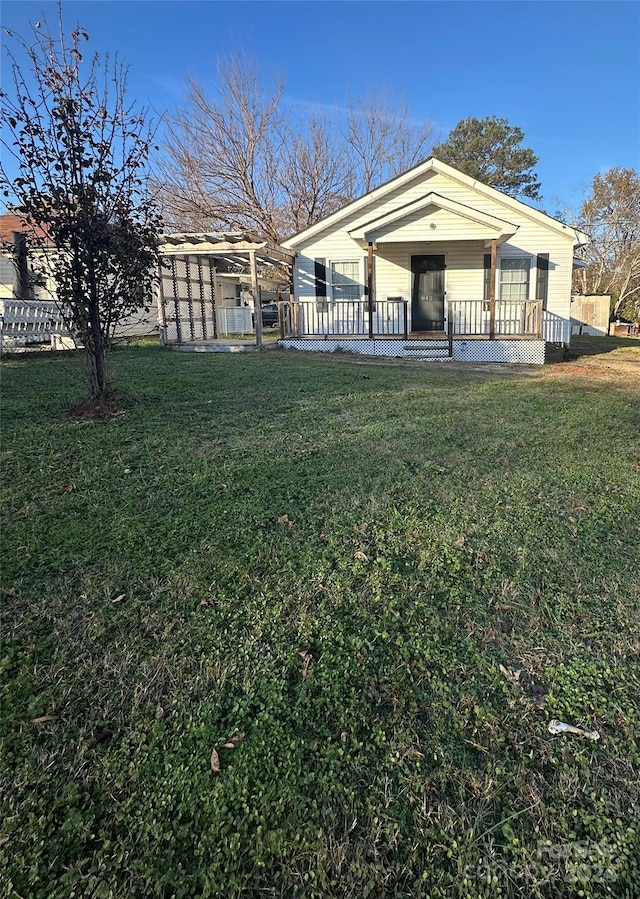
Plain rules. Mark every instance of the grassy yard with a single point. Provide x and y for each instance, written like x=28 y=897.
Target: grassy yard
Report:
x=377 y=583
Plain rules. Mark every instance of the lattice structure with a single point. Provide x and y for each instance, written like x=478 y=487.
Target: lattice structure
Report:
x=187 y=298
x=524 y=351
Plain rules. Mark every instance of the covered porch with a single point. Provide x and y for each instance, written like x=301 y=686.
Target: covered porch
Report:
x=428 y=270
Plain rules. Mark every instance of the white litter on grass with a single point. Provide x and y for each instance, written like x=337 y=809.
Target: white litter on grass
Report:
x=559 y=727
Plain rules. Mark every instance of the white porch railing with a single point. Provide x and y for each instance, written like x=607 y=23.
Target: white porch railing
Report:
x=472 y=318
x=311 y=318
x=465 y=318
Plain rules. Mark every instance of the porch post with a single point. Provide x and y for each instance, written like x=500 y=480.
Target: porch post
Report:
x=255 y=287
x=370 y=286
x=492 y=291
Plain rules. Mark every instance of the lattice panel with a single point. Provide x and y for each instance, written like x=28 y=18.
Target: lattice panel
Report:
x=187 y=295
x=530 y=352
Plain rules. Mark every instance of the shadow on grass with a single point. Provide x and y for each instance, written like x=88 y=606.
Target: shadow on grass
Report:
x=594 y=346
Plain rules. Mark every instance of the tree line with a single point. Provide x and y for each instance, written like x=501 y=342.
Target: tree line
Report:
x=94 y=187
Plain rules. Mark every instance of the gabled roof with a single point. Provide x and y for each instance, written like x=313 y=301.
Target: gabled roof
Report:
x=502 y=228
x=434 y=165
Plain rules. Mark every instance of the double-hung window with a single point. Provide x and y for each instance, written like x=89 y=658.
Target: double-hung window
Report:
x=345 y=281
x=514 y=279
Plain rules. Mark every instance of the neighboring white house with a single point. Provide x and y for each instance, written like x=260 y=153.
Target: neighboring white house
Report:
x=448 y=264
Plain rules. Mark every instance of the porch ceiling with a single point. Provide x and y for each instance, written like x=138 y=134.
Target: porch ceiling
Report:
x=440 y=215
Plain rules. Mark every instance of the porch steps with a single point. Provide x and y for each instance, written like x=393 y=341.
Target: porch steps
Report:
x=436 y=351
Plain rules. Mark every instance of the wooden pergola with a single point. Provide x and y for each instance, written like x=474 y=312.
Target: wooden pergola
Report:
x=203 y=255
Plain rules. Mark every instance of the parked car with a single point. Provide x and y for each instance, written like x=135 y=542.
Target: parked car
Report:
x=270 y=315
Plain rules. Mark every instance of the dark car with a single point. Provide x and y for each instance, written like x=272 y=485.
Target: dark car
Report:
x=270 y=317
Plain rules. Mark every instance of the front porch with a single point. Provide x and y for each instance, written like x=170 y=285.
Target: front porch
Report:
x=474 y=330
x=389 y=319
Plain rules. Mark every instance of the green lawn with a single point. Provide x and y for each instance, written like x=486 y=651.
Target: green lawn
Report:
x=395 y=533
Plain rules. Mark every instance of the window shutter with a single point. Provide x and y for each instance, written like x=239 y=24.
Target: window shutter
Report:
x=487 y=280
x=321 y=284
x=542 y=278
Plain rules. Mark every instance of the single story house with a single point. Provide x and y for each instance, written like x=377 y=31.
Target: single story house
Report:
x=434 y=264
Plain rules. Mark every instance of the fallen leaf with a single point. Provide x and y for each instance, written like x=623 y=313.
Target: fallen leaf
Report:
x=10 y=591
x=572 y=519
x=460 y=542
x=215 y=761
x=343 y=736
x=235 y=740
x=43 y=718
x=512 y=676
x=362 y=557
x=363 y=527
x=223 y=488
x=307 y=658
x=119 y=598
x=581 y=508
x=68 y=488
x=313 y=745
x=204 y=602
x=284 y=519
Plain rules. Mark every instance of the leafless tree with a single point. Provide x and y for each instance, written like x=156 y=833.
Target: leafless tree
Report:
x=383 y=141
x=222 y=153
x=240 y=158
x=315 y=179
x=610 y=214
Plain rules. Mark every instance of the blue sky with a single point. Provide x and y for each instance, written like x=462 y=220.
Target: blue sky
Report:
x=568 y=73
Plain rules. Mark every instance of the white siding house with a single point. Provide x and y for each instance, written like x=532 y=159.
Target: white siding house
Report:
x=448 y=262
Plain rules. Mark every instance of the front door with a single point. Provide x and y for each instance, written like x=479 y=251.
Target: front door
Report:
x=427 y=293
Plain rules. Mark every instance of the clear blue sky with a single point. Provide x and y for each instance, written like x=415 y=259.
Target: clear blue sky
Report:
x=568 y=73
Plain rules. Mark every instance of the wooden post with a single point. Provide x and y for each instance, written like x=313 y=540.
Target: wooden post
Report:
x=291 y=312
x=492 y=291
x=370 y=286
x=256 y=302
x=540 y=321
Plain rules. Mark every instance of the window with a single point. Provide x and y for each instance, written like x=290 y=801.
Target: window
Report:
x=6 y=271
x=514 y=279
x=345 y=281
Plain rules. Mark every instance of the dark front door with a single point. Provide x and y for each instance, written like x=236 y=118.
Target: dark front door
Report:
x=427 y=293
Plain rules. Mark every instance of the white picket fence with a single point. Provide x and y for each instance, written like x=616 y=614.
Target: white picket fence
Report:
x=29 y=322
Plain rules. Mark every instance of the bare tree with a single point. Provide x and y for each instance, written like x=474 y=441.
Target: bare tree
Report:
x=223 y=154
x=81 y=151
x=383 y=141
x=315 y=179
x=241 y=159
x=610 y=214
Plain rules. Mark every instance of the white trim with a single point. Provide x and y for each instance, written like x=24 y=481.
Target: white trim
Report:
x=435 y=165
x=351 y=260
x=532 y=267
